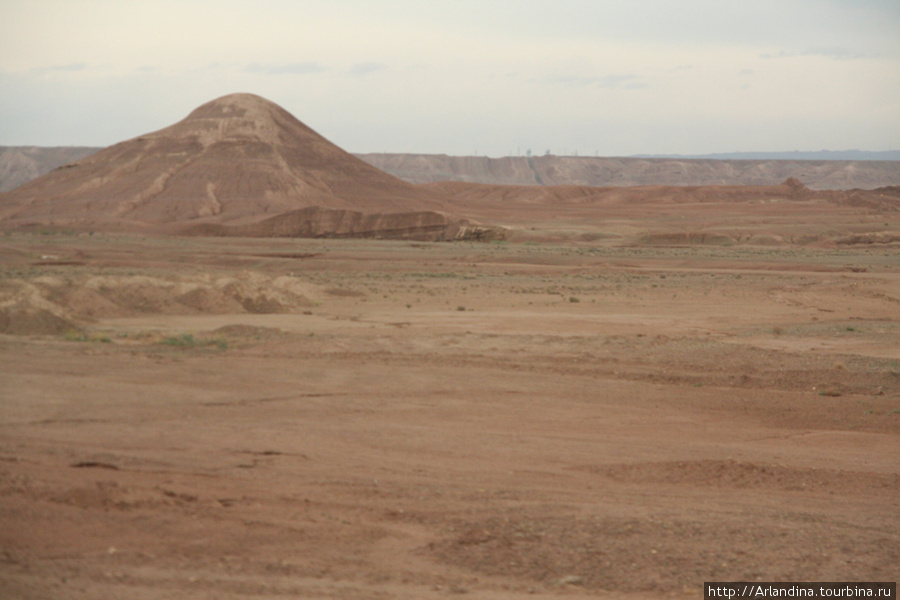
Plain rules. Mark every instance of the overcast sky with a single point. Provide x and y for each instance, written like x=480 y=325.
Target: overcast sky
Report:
x=495 y=77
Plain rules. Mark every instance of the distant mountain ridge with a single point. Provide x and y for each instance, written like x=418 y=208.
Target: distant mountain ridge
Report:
x=552 y=170
x=793 y=155
x=20 y=164
x=818 y=170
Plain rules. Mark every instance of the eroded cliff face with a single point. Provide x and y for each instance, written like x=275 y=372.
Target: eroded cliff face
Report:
x=610 y=171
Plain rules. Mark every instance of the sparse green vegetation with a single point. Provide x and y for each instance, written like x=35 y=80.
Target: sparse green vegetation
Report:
x=187 y=340
x=74 y=335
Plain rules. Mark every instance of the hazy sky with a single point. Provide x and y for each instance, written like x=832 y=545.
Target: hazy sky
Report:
x=495 y=77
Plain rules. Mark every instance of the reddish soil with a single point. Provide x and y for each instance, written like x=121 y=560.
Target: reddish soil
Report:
x=238 y=418
x=641 y=390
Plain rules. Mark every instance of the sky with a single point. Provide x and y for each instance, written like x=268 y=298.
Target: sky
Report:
x=463 y=77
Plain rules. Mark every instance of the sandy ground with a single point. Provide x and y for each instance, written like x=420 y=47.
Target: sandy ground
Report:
x=424 y=420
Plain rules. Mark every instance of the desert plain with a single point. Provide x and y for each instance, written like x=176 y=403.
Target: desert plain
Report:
x=615 y=393
x=332 y=418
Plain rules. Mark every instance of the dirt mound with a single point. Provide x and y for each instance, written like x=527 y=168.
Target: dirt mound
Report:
x=25 y=311
x=51 y=305
x=28 y=320
x=237 y=158
x=317 y=222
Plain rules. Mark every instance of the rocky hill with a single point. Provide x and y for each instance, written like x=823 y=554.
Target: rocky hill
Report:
x=234 y=161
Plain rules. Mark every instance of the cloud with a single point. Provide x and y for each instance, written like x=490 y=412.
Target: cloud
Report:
x=573 y=80
x=614 y=81
x=301 y=68
x=67 y=68
x=364 y=68
x=833 y=53
x=629 y=82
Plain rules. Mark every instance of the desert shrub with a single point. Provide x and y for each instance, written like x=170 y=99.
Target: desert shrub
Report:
x=187 y=340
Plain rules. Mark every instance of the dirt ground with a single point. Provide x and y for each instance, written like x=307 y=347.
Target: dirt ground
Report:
x=236 y=418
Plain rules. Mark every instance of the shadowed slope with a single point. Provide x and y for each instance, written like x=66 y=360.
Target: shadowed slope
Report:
x=239 y=158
